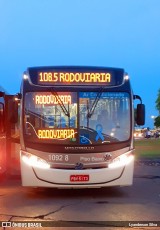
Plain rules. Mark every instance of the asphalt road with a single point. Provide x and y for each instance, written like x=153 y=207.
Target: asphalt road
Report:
x=140 y=202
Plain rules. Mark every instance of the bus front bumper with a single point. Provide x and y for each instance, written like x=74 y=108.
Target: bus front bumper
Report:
x=115 y=175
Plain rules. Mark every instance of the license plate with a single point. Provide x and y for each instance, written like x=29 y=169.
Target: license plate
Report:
x=77 y=178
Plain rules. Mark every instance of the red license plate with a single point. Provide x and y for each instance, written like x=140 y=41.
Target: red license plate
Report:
x=77 y=178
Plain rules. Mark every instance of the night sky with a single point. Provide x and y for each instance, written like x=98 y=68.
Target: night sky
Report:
x=110 y=33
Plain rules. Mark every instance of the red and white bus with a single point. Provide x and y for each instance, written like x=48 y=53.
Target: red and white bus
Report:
x=77 y=127
x=2 y=136
x=9 y=135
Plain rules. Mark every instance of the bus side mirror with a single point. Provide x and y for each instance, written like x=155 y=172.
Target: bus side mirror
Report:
x=140 y=116
x=2 y=129
x=13 y=111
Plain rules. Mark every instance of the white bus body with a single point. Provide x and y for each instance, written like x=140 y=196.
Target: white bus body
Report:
x=77 y=126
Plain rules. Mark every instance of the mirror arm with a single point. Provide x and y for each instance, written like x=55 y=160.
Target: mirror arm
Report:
x=137 y=97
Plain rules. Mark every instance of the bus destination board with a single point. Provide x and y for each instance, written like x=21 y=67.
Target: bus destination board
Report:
x=75 y=78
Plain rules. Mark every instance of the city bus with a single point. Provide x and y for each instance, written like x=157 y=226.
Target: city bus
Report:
x=2 y=136
x=9 y=136
x=77 y=127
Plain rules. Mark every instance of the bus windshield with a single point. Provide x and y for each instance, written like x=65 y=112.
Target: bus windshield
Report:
x=45 y=120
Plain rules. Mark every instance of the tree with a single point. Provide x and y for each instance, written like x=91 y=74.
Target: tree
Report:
x=157 y=119
x=157 y=122
x=158 y=102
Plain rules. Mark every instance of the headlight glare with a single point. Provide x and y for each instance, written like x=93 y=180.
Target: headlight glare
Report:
x=34 y=161
x=121 y=161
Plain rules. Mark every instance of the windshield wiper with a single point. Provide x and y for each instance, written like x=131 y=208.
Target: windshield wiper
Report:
x=91 y=111
x=60 y=102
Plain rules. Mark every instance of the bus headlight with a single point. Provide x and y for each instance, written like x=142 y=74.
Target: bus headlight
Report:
x=121 y=161
x=34 y=161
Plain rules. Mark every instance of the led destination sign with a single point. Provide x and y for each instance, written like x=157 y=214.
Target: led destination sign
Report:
x=56 y=133
x=75 y=78
x=49 y=99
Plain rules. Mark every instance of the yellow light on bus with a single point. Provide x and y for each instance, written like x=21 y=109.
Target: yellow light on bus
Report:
x=75 y=77
x=56 y=133
x=47 y=99
x=16 y=99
